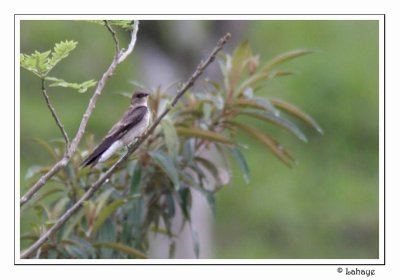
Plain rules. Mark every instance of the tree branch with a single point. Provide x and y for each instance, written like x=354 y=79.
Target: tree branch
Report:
x=117 y=49
x=92 y=103
x=53 y=112
x=64 y=218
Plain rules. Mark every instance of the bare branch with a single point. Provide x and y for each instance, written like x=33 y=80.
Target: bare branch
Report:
x=64 y=218
x=75 y=142
x=117 y=49
x=53 y=112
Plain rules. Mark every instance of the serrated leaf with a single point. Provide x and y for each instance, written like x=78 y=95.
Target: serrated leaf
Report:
x=81 y=88
x=271 y=118
x=167 y=165
x=122 y=248
x=274 y=146
x=242 y=163
x=285 y=57
x=203 y=134
x=61 y=50
x=171 y=137
x=290 y=108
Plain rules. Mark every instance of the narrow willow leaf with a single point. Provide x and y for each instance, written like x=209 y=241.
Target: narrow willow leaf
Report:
x=171 y=137
x=271 y=118
x=185 y=202
x=241 y=160
x=35 y=170
x=72 y=223
x=285 y=57
x=108 y=211
x=256 y=103
x=167 y=165
x=296 y=112
x=255 y=80
x=40 y=197
x=58 y=208
x=46 y=146
x=122 y=248
x=240 y=58
x=210 y=166
x=276 y=148
x=101 y=200
x=203 y=134
x=195 y=239
x=136 y=178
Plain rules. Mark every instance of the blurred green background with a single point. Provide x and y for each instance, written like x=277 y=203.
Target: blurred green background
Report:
x=326 y=207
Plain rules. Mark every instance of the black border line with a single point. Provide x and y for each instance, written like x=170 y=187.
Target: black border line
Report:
x=230 y=264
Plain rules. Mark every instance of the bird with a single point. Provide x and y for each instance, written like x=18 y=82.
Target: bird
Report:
x=132 y=125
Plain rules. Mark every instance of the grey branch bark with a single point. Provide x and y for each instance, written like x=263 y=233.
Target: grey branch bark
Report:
x=64 y=218
x=121 y=56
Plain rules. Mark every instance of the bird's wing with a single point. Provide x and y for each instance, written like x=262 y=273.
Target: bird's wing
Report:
x=132 y=117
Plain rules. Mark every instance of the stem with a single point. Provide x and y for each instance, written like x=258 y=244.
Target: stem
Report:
x=64 y=218
x=56 y=118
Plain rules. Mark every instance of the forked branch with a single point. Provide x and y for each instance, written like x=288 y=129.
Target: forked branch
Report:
x=121 y=56
x=88 y=194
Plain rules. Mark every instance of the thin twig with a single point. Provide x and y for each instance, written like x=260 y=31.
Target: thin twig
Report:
x=92 y=103
x=117 y=49
x=53 y=112
x=64 y=218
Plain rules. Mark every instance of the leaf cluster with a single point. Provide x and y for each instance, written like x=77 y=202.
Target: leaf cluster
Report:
x=191 y=151
x=41 y=63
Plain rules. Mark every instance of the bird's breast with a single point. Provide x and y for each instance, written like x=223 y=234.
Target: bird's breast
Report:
x=137 y=130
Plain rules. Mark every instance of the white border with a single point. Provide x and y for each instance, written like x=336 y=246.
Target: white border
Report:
x=380 y=18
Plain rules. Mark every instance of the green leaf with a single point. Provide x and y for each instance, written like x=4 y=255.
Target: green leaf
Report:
x=296 y=112
x=185 y=202
x=195 y=239
x=108 y=211
x=101 y=201
x=167 y=165
x=136 y=178
x=210 y=166
x=203 y=134
x=81 y=88
x=285 y=57
x=255 y=80
x=122 y=248
x=46 y=146
x=274 y=119
x=171 y=137
x=240 y=58
x=61 y=51
x=241 y=160
x=276 y=148
x=40 y=63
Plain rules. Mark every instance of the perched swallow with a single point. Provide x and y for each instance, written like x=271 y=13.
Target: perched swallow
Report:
x=132 y=125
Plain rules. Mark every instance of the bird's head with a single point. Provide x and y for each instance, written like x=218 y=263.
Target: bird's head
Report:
x=139 y=98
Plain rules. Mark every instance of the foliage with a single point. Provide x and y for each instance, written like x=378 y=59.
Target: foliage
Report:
x=41 y=63
x=190 y=152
